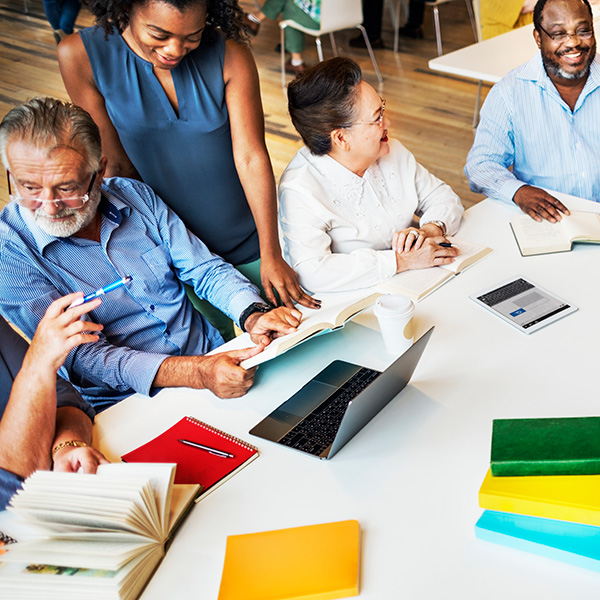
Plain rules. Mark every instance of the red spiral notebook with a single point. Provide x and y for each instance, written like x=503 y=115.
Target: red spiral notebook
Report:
x=195 y=465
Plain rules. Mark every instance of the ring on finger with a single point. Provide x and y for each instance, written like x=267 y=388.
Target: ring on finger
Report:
x=413 y=232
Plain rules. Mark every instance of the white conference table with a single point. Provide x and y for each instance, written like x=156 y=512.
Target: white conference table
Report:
x=412 y=475
x=490 y=60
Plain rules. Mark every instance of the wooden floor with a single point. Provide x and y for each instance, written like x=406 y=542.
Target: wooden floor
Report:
x=430 y=113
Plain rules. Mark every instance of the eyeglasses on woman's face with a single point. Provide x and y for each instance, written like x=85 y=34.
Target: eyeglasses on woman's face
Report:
x=378 y=121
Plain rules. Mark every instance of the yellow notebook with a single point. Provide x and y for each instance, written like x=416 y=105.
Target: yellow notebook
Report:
x=573 y=498
x=316 y=562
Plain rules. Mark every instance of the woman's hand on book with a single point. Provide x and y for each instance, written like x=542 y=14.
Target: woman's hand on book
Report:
x=278 y=276
x=413 y=238
x=429 y=254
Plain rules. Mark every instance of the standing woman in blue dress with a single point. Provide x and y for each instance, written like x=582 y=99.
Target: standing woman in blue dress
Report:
x=174 y=89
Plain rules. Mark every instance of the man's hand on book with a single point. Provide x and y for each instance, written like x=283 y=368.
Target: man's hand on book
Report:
x=429 y=254
x=222 y=374
x=264 y=327
x=539 y=205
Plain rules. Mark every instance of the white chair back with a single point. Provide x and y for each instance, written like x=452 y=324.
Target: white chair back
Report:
x=340 y=14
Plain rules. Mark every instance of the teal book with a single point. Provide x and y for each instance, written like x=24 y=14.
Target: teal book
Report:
x=553 y=446
x=572 y=543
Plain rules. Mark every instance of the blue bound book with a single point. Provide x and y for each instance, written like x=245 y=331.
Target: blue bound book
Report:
x=573 y=543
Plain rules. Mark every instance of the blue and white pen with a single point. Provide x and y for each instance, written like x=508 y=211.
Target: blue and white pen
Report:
x=109 y=288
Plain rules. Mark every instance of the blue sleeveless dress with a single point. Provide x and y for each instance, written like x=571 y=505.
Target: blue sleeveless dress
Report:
x=186 y=159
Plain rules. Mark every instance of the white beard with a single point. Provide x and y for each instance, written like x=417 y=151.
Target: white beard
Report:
x=77 y=218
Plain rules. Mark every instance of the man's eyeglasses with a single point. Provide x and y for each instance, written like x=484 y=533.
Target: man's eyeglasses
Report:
x=563 y=36
x=34 y=203
x=378 y=121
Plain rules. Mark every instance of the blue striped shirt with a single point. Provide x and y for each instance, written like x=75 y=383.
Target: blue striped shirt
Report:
x=526 y=125
x=144 y=322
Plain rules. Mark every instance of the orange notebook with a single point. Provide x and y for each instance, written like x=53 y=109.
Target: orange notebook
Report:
x=195 y=465
x=314 y=562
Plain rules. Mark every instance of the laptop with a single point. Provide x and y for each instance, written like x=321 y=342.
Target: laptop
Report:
x=326 y=413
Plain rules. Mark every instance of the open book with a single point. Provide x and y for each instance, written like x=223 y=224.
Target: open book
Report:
x=100 y=535
x=418 y=283
x=336 y=310
x=543 y=237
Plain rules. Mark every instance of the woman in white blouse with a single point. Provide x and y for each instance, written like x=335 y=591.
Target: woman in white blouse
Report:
x=348 y=198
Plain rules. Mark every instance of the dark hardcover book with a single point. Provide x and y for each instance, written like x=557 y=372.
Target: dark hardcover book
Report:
x=553 y=446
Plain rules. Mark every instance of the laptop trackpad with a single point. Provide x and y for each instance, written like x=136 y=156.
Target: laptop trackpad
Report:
x=292 y=411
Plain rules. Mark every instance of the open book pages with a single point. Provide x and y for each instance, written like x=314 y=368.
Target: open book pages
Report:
x=418 y=283
x=102 y=533
x=336 y=309
x=543 y=237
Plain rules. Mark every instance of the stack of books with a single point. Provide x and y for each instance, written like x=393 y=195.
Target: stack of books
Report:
x=542 y=492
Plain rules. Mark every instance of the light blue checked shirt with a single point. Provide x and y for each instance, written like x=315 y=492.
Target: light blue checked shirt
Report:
x=527 y=125
x=144 y=322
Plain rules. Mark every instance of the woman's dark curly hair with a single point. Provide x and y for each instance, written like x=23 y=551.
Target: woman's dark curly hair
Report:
x=224 y=15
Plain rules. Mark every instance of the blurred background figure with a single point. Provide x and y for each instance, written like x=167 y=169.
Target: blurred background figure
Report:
x=61 y=15
x=500 y=16
x=304 y=12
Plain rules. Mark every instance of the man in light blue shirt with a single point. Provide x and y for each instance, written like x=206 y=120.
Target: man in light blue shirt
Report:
x=540 y=125
x=67 y=230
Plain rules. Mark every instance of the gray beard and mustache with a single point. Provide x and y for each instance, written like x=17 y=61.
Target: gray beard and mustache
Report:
x=75 y=218
x=553 y=68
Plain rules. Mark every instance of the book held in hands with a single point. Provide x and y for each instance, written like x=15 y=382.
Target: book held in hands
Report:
x=336 y=310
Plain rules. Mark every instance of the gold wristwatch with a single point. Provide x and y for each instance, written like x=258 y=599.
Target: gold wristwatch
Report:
x=439 y=224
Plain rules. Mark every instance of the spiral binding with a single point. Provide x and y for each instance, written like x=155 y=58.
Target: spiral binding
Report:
x=223 y=434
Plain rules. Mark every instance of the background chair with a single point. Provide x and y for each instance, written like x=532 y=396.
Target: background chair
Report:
x=436 y=20
x=479 y=38
x=335 y=16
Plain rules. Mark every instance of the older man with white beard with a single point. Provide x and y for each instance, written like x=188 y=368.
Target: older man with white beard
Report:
x=540 y=125
x=67 y=230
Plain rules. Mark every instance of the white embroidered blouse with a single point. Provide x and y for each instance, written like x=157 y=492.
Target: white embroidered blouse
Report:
x=338 y=227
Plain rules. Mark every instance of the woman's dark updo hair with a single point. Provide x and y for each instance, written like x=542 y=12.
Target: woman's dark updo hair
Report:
x=322 y=99
x=225 y=15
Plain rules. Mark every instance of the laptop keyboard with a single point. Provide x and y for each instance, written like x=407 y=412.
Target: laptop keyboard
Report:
x=505 y=292
x=318 y=429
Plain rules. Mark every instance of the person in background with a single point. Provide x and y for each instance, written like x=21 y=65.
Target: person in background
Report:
x=304 y=12
x=67 y=229
x=44 y=422
x=175 y=92
x=414 y=25
x=372 y=18
x=540 y=124
x=61 y=15
x=500 y=16
x=348 y=198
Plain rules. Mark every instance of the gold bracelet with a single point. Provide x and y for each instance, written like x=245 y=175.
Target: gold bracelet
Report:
x=74 y=443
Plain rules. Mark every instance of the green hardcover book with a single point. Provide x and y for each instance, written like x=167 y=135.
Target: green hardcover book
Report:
x=555 y=446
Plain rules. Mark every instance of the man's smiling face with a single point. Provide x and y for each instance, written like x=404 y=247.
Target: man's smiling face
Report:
x=568 y=58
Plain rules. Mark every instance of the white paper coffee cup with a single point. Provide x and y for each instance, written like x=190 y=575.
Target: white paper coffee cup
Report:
x=394 y=314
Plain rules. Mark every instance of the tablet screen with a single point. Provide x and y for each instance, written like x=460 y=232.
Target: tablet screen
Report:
x=524 y=304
